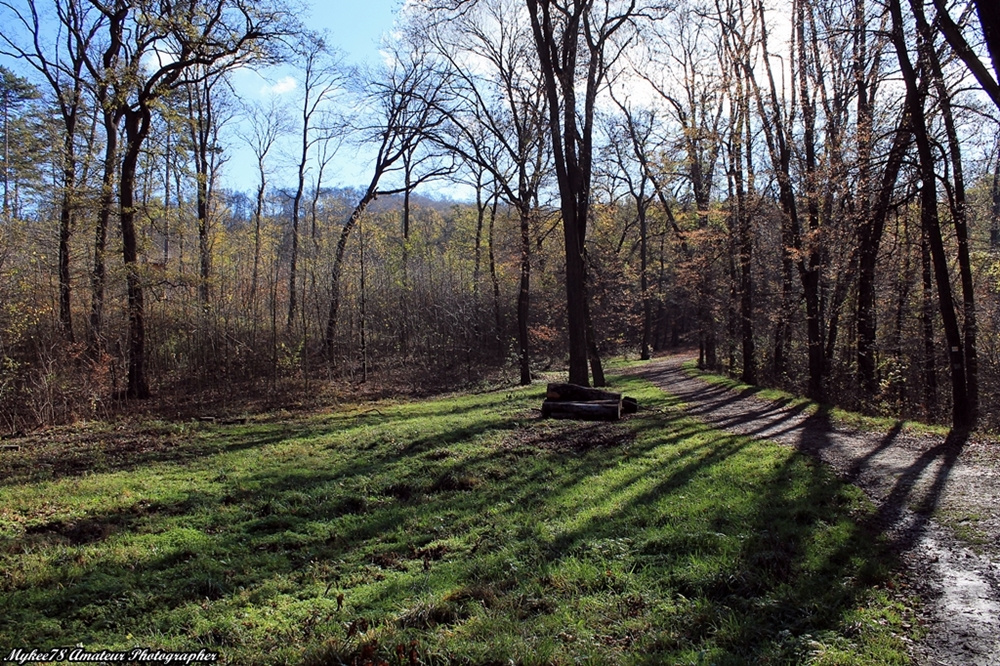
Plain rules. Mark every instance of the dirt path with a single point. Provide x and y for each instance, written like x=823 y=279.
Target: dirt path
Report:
x=910 y=478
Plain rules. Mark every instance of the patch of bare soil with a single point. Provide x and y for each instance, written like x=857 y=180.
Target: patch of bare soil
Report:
x=556 y=436
x=926 y=488
x=78 y=450
x=183 y=398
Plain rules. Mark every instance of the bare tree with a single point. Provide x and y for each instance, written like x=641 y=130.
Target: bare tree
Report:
x=151 y=50
x=918 y=81
x=406 y=98
x=62 y=64
x=741 y=178
x=629 y=146
x=681 y=67
x=266 y=125
x=497 y=122
x=322 y=77
x=577 y=42
x=207 y=113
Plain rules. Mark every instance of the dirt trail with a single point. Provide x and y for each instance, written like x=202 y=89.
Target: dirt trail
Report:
x=910 y=478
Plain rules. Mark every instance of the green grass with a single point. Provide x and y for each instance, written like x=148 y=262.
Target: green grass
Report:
x=836 y=414
x=456 y=530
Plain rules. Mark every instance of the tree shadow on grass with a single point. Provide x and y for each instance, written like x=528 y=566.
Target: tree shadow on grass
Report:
x=907 y=486
x=415 y=534
x=909 y=498
x=124 y=451
x=70 y=453
x=764 y=576
x=266 y=523
x=816 y=433
x=912 y=496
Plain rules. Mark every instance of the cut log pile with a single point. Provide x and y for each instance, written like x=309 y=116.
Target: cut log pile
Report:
x=569 y=401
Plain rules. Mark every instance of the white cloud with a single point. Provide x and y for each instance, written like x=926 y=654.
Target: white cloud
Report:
x=280 y=87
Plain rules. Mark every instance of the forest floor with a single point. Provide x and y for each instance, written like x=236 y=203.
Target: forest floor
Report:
x=937 y=495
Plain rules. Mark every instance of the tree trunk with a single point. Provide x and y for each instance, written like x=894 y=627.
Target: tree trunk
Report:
x=204 y=247
x=363 y=296
x=406 y=291
x=647 y=306
x=338 y=267
x=810 y=271
x=742 y=149
x=66 y=228
x=293 y=269
x=495 y=279
x=779 y=365
x=961 y=416
x=927 y=329
x=995 y=208
x=104 y=213
x=593 y=353
x=562 y=56
x=524 y=295
x=870 y=232
x=744 y=235
x=576 y=294
x=136 y=128
x=958 y=206
x=200 y=111
x=255 y=275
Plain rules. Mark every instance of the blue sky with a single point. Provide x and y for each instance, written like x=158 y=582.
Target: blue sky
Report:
x=356 y=29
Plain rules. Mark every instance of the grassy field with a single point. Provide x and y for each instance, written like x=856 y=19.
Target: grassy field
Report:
x=455 y=530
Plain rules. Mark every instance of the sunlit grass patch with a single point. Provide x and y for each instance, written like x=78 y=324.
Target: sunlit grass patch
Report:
x=809 y=407
x=457 y=530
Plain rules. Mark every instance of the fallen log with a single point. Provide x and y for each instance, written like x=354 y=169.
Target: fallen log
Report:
x=593 y=410
x=575 y=393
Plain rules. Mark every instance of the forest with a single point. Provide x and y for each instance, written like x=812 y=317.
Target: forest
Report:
x=808 y=191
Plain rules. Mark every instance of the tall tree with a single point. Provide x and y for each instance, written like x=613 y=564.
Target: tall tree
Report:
x=15 y=93
x=102 y=66
x=874 y=191
x=62 y=66
x=957 y=199
x=206 y=115
x=577 y=42
x=406 y=98
x=683 y=74
x=498 y=119
x=917 y=84
x=741 y=177
x=266 y=125
x=158 y=47
x=629 y=147
x=322 y=77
